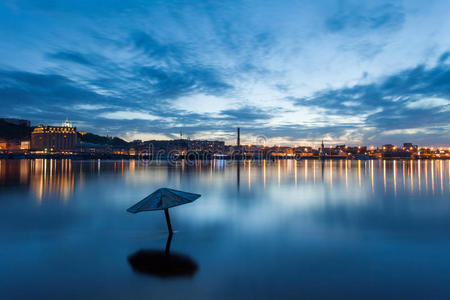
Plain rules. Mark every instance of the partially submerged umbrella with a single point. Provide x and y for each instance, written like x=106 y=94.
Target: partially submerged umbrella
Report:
x=163 y=199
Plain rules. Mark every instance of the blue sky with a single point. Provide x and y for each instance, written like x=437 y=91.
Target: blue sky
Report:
x=286 y=72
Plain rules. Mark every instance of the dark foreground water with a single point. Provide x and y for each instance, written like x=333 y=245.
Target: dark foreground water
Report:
x=341 y=229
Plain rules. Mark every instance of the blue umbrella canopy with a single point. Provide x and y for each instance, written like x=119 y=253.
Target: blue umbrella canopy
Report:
x=163 y=198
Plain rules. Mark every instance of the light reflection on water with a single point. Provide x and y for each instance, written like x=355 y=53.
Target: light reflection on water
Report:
x=59 y=178
x=260 y=229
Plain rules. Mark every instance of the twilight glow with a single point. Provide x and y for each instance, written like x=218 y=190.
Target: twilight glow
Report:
x=295 y=72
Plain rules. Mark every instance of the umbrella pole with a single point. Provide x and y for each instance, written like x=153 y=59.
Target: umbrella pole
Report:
x=169 y=226
x=169 y=240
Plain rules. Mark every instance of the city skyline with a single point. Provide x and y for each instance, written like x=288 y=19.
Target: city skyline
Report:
x=68 y=126
x=345 y=72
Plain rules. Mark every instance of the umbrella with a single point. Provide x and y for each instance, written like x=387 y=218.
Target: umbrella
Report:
x=162 y=263
x=163 y=199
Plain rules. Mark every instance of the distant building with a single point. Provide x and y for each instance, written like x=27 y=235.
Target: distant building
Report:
x=409 y=147
x=9 y=145
x=389 y=148
x=180 y=146
x=303 y=151
x=3 y=145
x=24 y=145
x=205 y=146
x=54 y=138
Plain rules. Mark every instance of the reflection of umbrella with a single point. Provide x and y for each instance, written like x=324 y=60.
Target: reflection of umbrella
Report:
x=163 y=199
x=162 y=263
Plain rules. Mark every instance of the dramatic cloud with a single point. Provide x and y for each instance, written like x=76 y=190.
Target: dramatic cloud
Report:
x=414 y=102
x=291 y=72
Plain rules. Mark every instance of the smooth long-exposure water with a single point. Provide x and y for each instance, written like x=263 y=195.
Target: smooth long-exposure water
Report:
x=333 y=229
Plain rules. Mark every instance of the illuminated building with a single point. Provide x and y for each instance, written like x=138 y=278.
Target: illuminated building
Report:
x=409 y=147
x=3 y=145
x=25 y=145
x=9 y=145
x=389 y=148
x=54 y=138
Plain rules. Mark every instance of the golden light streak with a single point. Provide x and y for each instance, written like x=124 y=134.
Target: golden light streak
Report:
x=418 y=174
x=314 y=171
x=45 y=169
x=359 y=172
x=412 y=173
x=404 y=177
x=279 y=173
x=295 y=174
x=132 y=166
x=249 y=175
x=23 y=171
x=432 y=176
x=384 y=175
x=395 y=178
x=371 y=175
x=264 y=173
x=51 y=170
x=306 y=170
x=40 y=187
x=346 y=176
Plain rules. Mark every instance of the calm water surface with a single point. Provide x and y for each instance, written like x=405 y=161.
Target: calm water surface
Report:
x=309 y=229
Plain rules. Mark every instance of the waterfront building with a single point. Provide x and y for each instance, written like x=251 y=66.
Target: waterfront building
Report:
x=389 y=148
x=409 y=147
x=180 y=146
x=54 y=138
x=206 y=146
x=24 y=145
x=3 y=145
x=10 y=146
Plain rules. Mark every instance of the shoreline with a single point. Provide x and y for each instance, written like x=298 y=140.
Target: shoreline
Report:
x=198 y=158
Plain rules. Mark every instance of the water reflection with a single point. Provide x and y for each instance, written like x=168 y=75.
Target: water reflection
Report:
x=60 y=178
x=55 y=177
x=341 y=217
x=162 y=264
x=238 y=176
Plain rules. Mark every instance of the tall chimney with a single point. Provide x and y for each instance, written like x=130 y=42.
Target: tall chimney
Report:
x=239 y=137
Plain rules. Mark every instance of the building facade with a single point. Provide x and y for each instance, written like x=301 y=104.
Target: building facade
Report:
x=54 y=138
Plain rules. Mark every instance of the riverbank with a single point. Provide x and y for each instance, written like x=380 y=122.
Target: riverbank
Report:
x=194 y=157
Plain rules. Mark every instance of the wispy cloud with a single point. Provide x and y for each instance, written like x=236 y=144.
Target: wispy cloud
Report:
x=70 y=56
x=345 y=71
x=357 y=17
